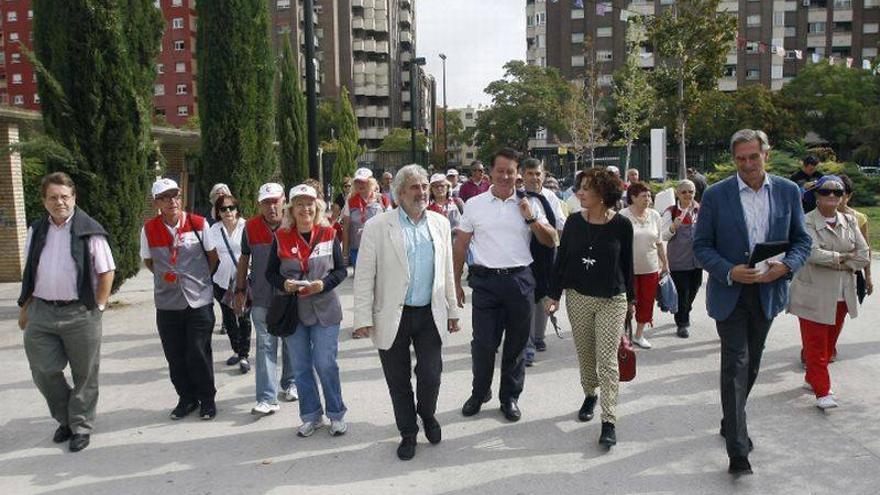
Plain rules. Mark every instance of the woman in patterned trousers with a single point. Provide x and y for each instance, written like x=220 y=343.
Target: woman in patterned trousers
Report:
x=594 y=265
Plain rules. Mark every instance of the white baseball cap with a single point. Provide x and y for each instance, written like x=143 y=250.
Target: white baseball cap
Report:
x=438 y=178
x=218 y=189
x=363 y=174
x=270 y=190
x=451 y=171
x=612 y=168
x=302 y=190
x=163 y=185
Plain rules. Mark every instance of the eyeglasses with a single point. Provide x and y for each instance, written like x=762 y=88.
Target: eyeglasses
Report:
x=829 y=192
x=346 y=185
x=169 y=199
x=686 y=192
x=228 y=208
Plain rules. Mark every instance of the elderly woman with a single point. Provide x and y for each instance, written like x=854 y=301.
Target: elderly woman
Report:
x=677 y=229
x=226 y=236
x=219 y=189
x=443 y=202
x=649 y=256
x=824 y=290
x=862 y=220
x=306 y=259
x=362 y=205
x=594 y=265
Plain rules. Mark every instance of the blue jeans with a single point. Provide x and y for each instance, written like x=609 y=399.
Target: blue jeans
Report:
x=352 y=257
x=267 y=359
x=314 y=348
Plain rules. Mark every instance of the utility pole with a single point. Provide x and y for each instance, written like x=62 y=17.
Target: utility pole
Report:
x=311 y=90
x=414 y=83
x=445 y=111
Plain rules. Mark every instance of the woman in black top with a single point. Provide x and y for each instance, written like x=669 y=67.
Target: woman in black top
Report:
x=594 y=264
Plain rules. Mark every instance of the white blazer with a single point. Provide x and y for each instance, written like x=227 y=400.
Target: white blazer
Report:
x=382 y=277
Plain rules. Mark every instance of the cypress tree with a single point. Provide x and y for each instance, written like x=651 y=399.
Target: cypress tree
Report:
x=347 y=148
x=235 y=80
x=95 y=70
x=290 y=122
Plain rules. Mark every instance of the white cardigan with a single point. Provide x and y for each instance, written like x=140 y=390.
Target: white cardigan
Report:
x=382 y=277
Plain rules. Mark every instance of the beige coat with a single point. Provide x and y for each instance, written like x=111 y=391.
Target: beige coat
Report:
x=382 y=277
x=816 y=288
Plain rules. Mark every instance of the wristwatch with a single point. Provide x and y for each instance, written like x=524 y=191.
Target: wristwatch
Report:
x=531 y=221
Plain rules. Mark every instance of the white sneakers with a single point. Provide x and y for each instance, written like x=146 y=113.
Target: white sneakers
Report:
x=642 y=342
x=337 y=428
x=290 y=395
x=264 y=408
x=826 y=402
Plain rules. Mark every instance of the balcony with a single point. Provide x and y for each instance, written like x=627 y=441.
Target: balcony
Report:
x=406 y=37
x=405 y=17
x=841 y=39
x=404 y=97
x=381 y=25
x=843 y=15
x=405 y=57
x=727 y=84
x=647 y=61
x=358 y=3
x=357 y=23
x=405 y=76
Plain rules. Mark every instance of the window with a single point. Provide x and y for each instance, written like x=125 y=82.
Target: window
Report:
x=179 y=45
x=842 y=4
x=159 y=112
x=603 y=32
x=751 y=47
x=603 y=55
x=816 y=27
x=30 y=15
x=16 y=79
x=469 y=155
x=753 y=20
x=282 y=4
x=790 y=31
x=182 y=111
x=11 y=16
x=870 y=28
x=158 y=4
x=13 y=36
x=577 y=37
x=872 y=3
x=180 y=67
x=869 y=53
x=469 y=115
x=779 y=18
x=753 y=74
x=160 y=68
x=606 y=80
x=18 y=100
x=540 y=41
x=729 y=71
x=843 y=27
x=181 y=89
x=541 y=18
x=158 y=89
x=577 y=60
x=36 y=99
x=577 y=14
x=176 y=3
x=177 y=23
x=15 y=58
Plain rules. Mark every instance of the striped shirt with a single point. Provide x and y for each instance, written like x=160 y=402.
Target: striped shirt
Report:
x=756 y=210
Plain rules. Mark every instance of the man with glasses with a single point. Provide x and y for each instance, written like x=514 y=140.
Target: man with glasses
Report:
x=177 y=247
x=477 y=184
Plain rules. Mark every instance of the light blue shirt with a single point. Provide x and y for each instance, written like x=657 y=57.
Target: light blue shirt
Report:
x=419 y=258
x=756 y=209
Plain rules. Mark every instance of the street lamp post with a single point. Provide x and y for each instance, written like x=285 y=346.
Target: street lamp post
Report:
x=445 y=111
x=311 y=90
x=413 y=100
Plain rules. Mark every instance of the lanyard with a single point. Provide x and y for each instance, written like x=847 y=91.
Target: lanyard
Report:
x=178 y=240
x=304 y=250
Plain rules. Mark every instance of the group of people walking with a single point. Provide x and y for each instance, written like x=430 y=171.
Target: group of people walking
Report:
x=409 y=241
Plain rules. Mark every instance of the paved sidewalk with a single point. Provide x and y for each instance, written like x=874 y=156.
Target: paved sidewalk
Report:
x=667 y=426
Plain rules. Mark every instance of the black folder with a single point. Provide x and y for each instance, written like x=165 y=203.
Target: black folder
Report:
x=765 y=250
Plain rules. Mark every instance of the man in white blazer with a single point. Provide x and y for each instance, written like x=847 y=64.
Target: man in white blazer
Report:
x=404 y=295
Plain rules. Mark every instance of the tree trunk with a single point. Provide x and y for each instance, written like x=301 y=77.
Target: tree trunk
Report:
x=629 y=147
x=682 y=153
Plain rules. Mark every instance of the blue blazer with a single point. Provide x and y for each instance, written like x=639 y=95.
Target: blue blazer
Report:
x=721 y=241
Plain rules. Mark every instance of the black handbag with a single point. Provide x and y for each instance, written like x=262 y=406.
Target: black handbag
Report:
x=282 y=317
x=861 y=286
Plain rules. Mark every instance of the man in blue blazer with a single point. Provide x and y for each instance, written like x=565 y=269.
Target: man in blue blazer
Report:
x=737 y=213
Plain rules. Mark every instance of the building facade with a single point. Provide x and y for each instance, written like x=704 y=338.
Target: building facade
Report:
x=463 y=154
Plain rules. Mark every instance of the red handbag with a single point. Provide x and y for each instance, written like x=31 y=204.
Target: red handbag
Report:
x=626 y=355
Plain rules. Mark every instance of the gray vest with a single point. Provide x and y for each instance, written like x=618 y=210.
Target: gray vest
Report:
x=191 y=284
x=259 y=239
x=680 y=249
x=358 y=221
x=323 y=309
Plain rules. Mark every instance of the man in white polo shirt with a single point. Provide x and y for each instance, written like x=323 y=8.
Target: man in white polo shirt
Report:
x=498 y=225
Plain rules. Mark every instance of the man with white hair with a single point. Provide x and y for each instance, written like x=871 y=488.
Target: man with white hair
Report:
x=404 y=297
x=454 y=186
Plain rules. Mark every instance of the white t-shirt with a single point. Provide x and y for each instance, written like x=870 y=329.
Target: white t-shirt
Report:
x=188 y=238
x=500 y=234
x=646 y=235
x=226 y=269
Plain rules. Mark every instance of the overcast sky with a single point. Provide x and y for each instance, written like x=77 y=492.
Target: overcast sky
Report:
x=477 y=36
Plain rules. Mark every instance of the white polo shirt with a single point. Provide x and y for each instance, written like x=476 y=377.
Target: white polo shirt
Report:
x=500 y=235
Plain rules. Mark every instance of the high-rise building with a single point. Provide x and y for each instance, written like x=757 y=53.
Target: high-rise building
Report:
x=19 y=86
x=777 y=38
x=465 y=153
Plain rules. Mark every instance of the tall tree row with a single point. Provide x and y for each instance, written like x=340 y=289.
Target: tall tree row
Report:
x=236 y=75
x=347 y=149
x=290 y=121
x=95 y=71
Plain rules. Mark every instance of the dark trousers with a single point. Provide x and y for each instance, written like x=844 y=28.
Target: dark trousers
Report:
x=502 y=307
x=416 y=328
x=238 y=328
x=687 y=284
x=742 y=335
x=186 y=340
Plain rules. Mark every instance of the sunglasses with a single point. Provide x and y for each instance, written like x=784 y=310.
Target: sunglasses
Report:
x=829 y=192
x=228 y=208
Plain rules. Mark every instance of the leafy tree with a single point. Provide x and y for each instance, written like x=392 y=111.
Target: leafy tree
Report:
x=584 y=111
x=453 y=134
x=235 y=81
x=633 y=94
x=527 y=99
x=95 y=70
x=328 y=121
x=835 y=102
x=720 y=114
x=401 y=140
x=691 y=41
x=290 y=120
x=347 y=149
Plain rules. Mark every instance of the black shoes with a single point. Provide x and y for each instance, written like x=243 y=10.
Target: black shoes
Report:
x=244 y=366
x=432 y=430
x=184 y=408
x=586 y=412
x=473 y=404
x=232 y=361
x=608 y=438
x=407 y=448
x=207 y=411
x=683 y=332
x=511 y=410
x=62 y=434
x=78 y=442
x=739 y=466
x=540 y=346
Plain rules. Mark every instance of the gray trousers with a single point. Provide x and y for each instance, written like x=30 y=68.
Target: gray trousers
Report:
x=537 y=328
x=58 y=336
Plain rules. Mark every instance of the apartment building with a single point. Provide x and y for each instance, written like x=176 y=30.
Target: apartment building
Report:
x=465 y=153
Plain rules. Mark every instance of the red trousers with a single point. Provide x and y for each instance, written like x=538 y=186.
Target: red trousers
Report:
x=819 y=341
x=646 y=291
